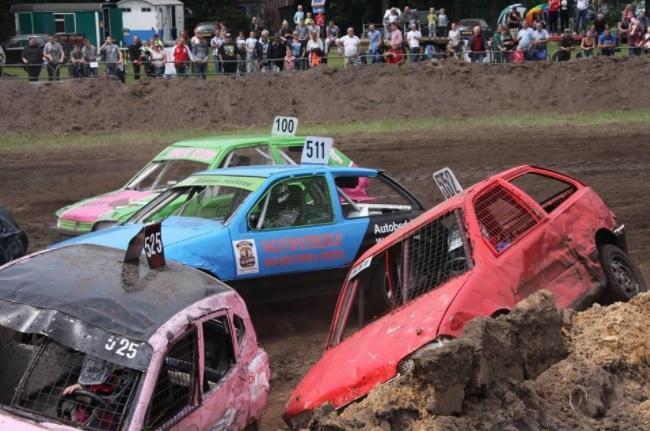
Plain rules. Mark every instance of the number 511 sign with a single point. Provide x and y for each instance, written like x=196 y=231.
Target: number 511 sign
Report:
x=316 y=150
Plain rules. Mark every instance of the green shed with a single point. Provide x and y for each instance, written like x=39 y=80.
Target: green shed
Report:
x=95 y=20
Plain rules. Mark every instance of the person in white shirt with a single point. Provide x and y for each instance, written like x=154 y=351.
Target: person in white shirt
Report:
x=454 y=38
x=215 y=43
x=413 y=38
x=350 y=43
x=249 y=47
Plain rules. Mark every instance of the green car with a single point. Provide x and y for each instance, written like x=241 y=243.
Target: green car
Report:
x=174 y=164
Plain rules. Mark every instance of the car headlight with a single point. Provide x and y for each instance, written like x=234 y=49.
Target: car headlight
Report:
x=407 y=364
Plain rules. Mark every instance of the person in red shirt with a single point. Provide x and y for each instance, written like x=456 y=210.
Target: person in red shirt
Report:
x=181 y=57
x=395 y=53
x=553 y=14
x=477 y=46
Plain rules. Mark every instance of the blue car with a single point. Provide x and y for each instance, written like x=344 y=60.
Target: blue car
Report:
x=257 y=227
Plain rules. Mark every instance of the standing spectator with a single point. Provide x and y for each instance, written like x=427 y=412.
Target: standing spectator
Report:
x=395 y=54
x=254 y=25
x=331 y=35
x=54 y=56
x=587 y=45
x=215 y=44
x=642 y=21
x=303 y=36
x=3 y=60
x=318 y=6
x=566 y=46
x=508 y=43
x=497 y=44
x=77 y=63
x=524 y=38
x=296 y=49
x=582 y=9
x=350 y=43
x=607 y=43
x=443 y=23
x=564 y=14
x=134 y=54
x=553 y=15
x=158 y=41
x=409 y=17
x=315 y=49
x=181 y=56
x=145 y=56
x=540 y=39
x=158 y=60
x=636 y=38
x=600 y=24
x=477 y=45
x=279 y=47
x=228 y=55
x=374 y=43
x=250 y=44
x=413 y=38
x=320 y=20
x=289 y=60
x=284 y=28
x=89 y=52
x=33 y=59
x=299 y=16
x=514 y=20
x=264 y=52
x=112 y=56
x=240 y=41
x=200 y=56
x=646 y=41
x=432 y=22
x=454 y=38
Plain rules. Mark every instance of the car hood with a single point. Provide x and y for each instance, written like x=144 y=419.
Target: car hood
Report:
x=370 y=356
x=174 y=230
x=9 y=421
x=91 y=210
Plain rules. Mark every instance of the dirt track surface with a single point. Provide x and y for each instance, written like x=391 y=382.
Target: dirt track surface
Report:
x=321 y=95
x=614 y=160
x=536 y=368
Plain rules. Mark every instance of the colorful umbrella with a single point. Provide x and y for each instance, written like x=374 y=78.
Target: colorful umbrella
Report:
x=540 y=9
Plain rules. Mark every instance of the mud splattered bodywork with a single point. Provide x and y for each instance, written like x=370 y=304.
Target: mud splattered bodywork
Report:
x=170 y=347
x=477 y=254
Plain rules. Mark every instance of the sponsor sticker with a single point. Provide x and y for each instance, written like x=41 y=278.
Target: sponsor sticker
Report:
x=357 y=269
x=246 y=256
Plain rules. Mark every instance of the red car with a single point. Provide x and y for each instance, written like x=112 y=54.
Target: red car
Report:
x=476 y=254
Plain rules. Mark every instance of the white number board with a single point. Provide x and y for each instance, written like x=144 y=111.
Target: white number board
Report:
x=447 y=182
x=316 y=150
x=285 y=126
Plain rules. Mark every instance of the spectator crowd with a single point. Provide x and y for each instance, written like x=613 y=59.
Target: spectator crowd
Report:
x=307 y=40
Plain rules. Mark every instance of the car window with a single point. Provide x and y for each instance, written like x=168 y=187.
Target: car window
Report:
x=370 y=196
x=547 y=191
x=162 y=174
x=17 y=43
x=293 y=202
x=292 y=154
x=502 y=218
x=218 y=350
x=240 y=328
x=36 y=370
x=213 y=203
x=173 y=395
x=422 y=261
x=248 y=156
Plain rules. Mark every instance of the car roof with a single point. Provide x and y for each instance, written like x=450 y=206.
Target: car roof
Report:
x=267 y=171
x=92 y=284
x=218 y=142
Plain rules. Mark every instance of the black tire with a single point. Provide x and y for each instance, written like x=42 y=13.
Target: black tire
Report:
x=624 y=280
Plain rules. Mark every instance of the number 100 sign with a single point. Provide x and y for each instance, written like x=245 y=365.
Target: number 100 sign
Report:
x=316 y=150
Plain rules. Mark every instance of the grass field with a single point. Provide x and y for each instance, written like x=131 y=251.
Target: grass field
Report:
x=512 y=121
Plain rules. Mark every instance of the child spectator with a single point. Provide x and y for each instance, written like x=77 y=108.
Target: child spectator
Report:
x=443 y=23
x=299 y=16
x=432 y=22
x=289 y=60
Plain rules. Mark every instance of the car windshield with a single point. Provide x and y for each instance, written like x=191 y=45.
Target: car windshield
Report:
x=38 y=373
x=211 y=202
x=161 y=174
x=421 y=262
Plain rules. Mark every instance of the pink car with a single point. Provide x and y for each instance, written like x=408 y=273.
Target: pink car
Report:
x=88 y=341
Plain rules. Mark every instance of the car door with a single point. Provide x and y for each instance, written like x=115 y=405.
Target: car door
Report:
x=291 y=228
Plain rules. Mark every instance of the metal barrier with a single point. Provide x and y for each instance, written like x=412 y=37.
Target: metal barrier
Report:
x=168 y=69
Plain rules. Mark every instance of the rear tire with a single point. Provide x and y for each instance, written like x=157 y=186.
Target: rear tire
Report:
x=624 y=280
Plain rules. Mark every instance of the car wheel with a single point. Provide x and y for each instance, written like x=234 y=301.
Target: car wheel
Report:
x=624 y=280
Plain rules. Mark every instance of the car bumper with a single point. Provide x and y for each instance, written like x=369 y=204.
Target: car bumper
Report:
x=69 y=229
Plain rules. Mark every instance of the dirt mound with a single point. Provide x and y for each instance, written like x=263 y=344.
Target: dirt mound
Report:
x=536 y=368
x=324 y=95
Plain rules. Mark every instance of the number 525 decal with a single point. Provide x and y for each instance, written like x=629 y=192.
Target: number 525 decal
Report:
x=122 y=347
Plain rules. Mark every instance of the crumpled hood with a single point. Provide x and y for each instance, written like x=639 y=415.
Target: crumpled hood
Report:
x=91 y=210
x=370 y=356
x=174 y=230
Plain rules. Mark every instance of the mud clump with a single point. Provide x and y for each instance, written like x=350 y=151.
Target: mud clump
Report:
x=537 y=368
x=373 y=92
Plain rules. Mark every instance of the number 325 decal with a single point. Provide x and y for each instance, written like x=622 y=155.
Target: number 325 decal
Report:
x=122 y=347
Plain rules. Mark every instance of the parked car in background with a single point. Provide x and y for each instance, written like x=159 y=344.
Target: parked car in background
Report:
x=13 y=241
x=14 y=46
x=206 y=29
x=259 y=227
x=477 y=254
x=88 y=341
x=174 y=164
x=466 y=27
